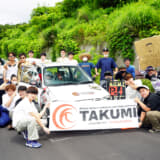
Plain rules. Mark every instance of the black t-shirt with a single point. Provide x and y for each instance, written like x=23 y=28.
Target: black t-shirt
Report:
x=152 y=102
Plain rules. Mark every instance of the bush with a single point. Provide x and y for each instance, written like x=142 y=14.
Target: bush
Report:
x=125 y=24
x=148 y=83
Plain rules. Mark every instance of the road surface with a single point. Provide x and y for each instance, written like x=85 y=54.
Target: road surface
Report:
x=92 y=145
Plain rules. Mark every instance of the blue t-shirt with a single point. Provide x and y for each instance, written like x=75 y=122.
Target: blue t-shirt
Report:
x=106 y=64
x=87 y=67
x=131 y=70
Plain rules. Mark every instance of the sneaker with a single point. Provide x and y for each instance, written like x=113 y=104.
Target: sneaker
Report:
x=33 y=144
x=154 y=130
x=25 y=135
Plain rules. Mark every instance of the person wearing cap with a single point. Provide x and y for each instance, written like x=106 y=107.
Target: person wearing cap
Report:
x=150 y=108
x=71 y=60
x=121 y=73
x=85 y=65
x=129 y=68
x=105 y=64
x=63 y=58
x=151 y=73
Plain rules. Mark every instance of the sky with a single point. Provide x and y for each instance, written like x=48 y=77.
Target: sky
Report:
x=19 y=11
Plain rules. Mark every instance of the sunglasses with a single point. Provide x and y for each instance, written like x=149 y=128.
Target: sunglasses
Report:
x=11 y=56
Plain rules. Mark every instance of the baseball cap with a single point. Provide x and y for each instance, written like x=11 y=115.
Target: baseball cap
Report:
x=105 y=50
x=142 y=86
x=149 y=68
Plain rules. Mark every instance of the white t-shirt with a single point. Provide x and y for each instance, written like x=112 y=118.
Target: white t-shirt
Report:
x=62 y=60
x=132 y=93
x=6 y=98
x=11 y=70
x=23 y=110
x=73 y=61
x=30 y=60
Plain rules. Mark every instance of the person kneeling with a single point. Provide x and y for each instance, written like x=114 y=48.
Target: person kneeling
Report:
x=27 y=120
x=150 y=109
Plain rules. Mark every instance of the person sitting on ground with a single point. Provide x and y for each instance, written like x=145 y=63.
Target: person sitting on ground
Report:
x=121 y=73
x=129 y=68
x=150 y=109
x=63 y=58
x=85 y=65
x=131 y=86
x=27 y=120
x=71 y=60
x=4 y=117
x=9 y=99
x=10 y=67
x=22 y=91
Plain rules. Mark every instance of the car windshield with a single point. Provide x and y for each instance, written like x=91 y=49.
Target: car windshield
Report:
x=65 y=75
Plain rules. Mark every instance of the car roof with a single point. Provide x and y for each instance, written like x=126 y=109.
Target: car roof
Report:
x=52 y=64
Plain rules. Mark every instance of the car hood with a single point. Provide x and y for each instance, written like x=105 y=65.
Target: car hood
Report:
x=77 y=92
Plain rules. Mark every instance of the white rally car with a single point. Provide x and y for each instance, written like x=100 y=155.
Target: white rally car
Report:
x=62 y=82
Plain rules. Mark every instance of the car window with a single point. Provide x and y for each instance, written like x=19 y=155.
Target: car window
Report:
x=63 y=75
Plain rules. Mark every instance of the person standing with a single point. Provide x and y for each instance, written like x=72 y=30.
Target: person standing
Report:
x=31 y=58
x=105 y=64
x=43 y=59
x=85 y=65
x=21 y=64
x=1 y=71
x=71 y=60
x=10 y=67
x=129 y=68
x=63 y=58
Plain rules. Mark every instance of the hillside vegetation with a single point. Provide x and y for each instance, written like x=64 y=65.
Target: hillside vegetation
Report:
x=73 y=23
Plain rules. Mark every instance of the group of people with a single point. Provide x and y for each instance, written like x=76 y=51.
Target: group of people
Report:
x=18 y=109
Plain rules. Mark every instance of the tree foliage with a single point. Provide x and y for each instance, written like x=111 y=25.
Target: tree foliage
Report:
x=73 y=23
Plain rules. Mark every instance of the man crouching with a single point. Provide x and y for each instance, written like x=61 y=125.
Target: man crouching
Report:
x=149 y=108
x=27 y=120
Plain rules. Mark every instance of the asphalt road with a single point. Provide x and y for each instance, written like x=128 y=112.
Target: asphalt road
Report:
x=93 y=145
